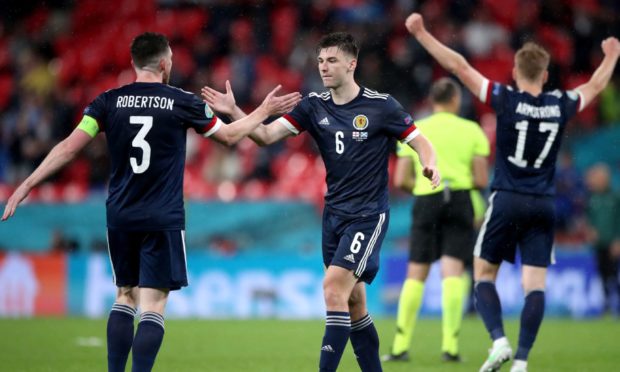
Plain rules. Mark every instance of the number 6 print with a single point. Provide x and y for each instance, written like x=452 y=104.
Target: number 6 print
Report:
x=356 y=245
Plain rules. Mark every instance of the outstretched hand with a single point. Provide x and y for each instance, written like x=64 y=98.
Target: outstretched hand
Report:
x=432 y=173
x=611 y=46
x=220 y=102
x=278 y=105
x=414 y=23
x=20 y=194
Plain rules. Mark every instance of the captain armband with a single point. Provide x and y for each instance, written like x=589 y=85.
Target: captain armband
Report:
x=89 y=125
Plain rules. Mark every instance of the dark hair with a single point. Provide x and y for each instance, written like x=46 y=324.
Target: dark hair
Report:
x=532 y=61
x=344 y=41
x=444 y=90
x=147 y=48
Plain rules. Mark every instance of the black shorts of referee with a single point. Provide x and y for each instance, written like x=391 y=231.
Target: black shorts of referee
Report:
x=443 y=224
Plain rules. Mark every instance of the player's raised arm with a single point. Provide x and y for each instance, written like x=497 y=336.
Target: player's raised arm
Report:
x=272 y=105
x=62 y=154
x=446 y=57
x=600 y=77
x=428 y=158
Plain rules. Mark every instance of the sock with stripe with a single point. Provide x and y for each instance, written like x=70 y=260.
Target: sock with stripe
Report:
x=365 y=342
x=489 y=308
x=337 y=329
x=147 y=341
x=452 y=296
x=408 y=308
x=531 y=318
x=119 y=336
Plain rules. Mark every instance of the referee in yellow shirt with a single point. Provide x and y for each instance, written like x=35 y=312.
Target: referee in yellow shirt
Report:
x=443 y=218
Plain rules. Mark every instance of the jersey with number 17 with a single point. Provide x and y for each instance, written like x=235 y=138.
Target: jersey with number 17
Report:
x=529 y=135
x=145 y=126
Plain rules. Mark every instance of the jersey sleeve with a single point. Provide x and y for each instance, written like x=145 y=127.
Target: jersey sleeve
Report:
x=199 y=116
x=572 y=102
x=298 y=119
x=97 y=111
x=494 y=95
x=399 y=123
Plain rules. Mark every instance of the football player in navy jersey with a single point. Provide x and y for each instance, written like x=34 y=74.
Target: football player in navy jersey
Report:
x=353 y=127
x=530 y=126
x=145 y=124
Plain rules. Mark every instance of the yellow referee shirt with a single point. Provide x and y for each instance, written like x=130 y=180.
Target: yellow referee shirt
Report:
x=456 y=142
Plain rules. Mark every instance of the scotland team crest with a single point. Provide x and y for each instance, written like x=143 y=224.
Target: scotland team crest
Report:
x=360 y=122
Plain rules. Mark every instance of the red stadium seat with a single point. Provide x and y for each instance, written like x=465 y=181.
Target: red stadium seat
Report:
x=6 y=89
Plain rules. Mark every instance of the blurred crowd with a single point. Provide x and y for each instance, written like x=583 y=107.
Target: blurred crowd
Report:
x=57 y=55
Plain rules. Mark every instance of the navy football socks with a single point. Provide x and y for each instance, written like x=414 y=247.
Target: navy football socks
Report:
x=147 y=341
x=120 y=336
x=337 y=329
x=489 y=307
x=365 y=341
x=531 y=318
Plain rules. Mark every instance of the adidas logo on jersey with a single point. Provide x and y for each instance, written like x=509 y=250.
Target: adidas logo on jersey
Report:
x=324 y=121
x=328 y=348
x=350 y=258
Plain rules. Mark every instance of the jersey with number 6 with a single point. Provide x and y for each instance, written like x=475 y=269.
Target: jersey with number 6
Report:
x=354 y=140
x=529 y=134
x=145 y=126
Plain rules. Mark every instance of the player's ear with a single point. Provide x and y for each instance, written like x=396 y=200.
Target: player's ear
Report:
x=545 y=76
x=514 y=74
x=352 y=64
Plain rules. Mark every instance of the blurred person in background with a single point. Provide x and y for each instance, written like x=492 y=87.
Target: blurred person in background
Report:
x=145 y=123
x=521 y=213
x=603 y=218
x=442 y=219
x=353 y=127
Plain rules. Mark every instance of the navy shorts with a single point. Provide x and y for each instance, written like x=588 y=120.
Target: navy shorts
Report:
x=515 y=220
x=354 y=242
x=151 y=259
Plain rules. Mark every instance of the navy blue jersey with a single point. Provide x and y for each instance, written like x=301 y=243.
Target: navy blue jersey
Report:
x=529 y=134
x=145 y=125
x=354 y=141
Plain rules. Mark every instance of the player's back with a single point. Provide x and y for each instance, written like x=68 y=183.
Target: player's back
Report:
x=145 y=126
x=529 y=135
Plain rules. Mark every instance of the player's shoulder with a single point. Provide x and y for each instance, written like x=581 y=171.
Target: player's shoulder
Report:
x=382 y=100
x=562 y=94
x=318 y=96
x=374 y=95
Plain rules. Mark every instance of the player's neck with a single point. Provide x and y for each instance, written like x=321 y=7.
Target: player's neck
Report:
x=445 y=108
x=345 y=93
x=144 y=76
x=534 y=89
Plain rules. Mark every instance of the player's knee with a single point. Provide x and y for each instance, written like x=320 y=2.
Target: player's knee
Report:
x=127 y=296
x=334 y=297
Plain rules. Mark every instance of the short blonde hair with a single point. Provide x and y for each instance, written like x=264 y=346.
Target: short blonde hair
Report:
x=532 y=61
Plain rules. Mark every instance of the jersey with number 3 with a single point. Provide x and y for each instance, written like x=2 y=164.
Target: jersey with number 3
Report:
x=355 y=141
x=145 y=126
x=529 y=135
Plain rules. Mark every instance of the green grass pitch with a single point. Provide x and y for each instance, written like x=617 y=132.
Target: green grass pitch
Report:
x=75 y=344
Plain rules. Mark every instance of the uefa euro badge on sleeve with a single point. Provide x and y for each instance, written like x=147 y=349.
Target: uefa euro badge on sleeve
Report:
x=208 y=112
